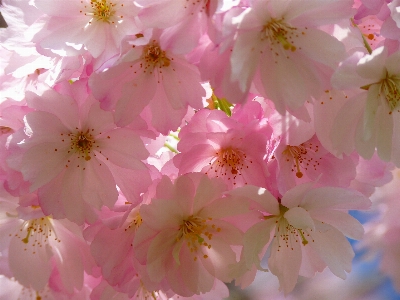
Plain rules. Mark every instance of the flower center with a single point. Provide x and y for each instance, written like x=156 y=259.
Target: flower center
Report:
x=390 y=90
x=287 y=234
x=82 y=143
x=301 y=157
x=135 y=222
x=194 y=230
x=154 y=57
x=278 y=32
x=229 y=162
x=37 y=232
x=102 y=10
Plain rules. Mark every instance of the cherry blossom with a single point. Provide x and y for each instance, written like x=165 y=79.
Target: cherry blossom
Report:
x=32 y=241
x=374 y=111
x=84 y=149
x=185 y=237
x=291 y=59
x=222 y=147
x=175 y=149
x=305 y=229
x=99 y=25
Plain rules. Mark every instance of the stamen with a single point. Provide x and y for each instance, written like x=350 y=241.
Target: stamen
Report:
x=82 y=143
x=193 y=230
x=154 y=57
x=229 y=163
x=102 y=10
x=135 y=222
x=38 y=232
x=390 y=90
x=279 y=31
x=301 y=156
x=304 y=240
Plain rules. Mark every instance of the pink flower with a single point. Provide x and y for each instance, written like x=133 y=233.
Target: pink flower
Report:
x=185 y=237
x=279 y=45
x=179 y=17
x=152 y=76
x=311 y=161
x=75 y=156
x=223 y=147
x=99 y=25
x=37 y=248
x=112 y=250
x=305 y=229
x=370 y=120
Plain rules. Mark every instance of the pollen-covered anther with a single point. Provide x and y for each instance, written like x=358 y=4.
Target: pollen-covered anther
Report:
x=194 y=230
x=82 y=143
x=37 y=232
x=102 y=10
x=390 y=90
x=143 y=293
x=229 y=162
x=154 y=56
x=135 y=222
x=302 y=159
x=278 y=32
x=288 y=235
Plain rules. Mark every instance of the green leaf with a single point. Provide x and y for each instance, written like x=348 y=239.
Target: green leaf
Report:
x=222 y=104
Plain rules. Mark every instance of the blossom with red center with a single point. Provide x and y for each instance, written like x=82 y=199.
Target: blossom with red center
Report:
x=223 y=147
x=311 y=161
x=186 y=237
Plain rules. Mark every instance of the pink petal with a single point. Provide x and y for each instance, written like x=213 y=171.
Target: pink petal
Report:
x=157 y=254
x=41 y=163
x=226 y=207
x=98 y=186
x=64 y=107
x=123 y=147
x=162 y=214
x=260 y=195
x=25 y=260
x=207 y=191
x=59 y=8
x=144 y=86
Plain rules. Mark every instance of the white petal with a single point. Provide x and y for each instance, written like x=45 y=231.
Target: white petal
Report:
x=299 y=218
x=333 y=248
x=342 y=221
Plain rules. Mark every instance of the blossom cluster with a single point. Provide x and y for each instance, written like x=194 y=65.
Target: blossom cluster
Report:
x=163 y=149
